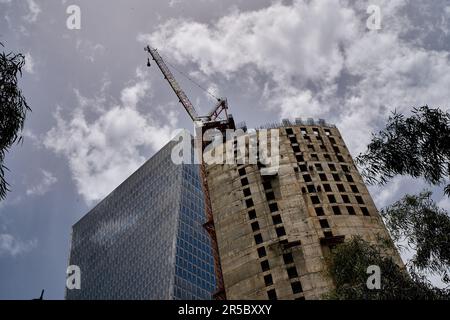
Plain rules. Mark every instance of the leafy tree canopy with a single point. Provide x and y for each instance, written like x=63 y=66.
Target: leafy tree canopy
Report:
x=418 y=221
x=13 y=108
x=347 y=266
x=418 y=146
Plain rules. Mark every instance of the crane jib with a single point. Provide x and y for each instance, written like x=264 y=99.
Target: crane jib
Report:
x=174 y=84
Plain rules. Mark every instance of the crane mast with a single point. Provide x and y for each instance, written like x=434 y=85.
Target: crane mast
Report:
x=210 y=121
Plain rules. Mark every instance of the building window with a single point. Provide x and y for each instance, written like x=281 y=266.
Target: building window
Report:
x=296 y=148
x=365 y=211
x=252 y=214
x=293 y=139
x=288 y=258
x=265 y=265
x=336 y=177
x=249 y=203
x=328 y=234
x=319 y=167
x=267 y=185
x=289 y=131
x=303 y=131
x=331 y=198
x=247 y=192
x=271 y=294
x=351 y=210
x=262 y=252
x=292 y=272
x=270 y=196
x=307 y=178
x=244 y=182
x=319 y=211
x=296 y=287
x=332 y=141
x=255 y=226
x=327 y=188
x=311 y=147
x=311 y=188
x=258 y=238
x=323 y=177
x=327 y=132
x=340 y=158
x=277 y=219
x=349 y=177
x=268 y=280
x=316 y=131
x=345 y=198
x=336 y=149
x=315 y=157
x=354 y=188
x=280 y=231
x=359 y=199
x=324 y=224
x=273 y=207
x=340 y=187
x=345 y=168
x=336 y=211
x=242 y=172
x=299 y=158
x=315 y=199
x=303 y=168
x=327 y=157
x=332 y=167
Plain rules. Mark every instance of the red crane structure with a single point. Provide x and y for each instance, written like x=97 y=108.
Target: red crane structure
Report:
x=210 y=121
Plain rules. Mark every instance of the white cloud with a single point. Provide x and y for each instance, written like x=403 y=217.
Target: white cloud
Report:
x=12 y=246
x=89 y=49
x=105 y=150
x=48 y=180
x=34 y=11
x=132 y=95
x=29 y=63
x=320 y=60
x=280 y=40
x=385 y=195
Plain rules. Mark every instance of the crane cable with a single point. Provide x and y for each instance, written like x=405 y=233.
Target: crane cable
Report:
x=192 y=80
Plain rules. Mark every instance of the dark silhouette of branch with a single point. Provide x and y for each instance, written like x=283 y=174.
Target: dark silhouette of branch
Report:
x=418 y=146
x=13 y=109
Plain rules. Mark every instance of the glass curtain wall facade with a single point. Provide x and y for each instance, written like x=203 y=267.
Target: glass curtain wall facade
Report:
x=145 y=240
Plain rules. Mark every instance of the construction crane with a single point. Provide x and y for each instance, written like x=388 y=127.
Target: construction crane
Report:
x=211 y=121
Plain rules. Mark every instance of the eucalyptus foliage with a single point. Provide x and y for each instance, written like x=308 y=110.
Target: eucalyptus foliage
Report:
x=13 y=109
x=418 y=221
x=418 y=146
x=347 y=267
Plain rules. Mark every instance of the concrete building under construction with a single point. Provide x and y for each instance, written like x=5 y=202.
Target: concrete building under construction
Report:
x=275 y=231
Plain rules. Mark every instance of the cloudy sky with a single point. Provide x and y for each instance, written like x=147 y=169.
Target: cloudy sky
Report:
x=99 y=112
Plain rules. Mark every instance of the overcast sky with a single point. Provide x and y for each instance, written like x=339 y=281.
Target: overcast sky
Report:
x=99 y=112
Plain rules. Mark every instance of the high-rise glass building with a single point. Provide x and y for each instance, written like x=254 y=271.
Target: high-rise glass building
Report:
x=145 y=240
